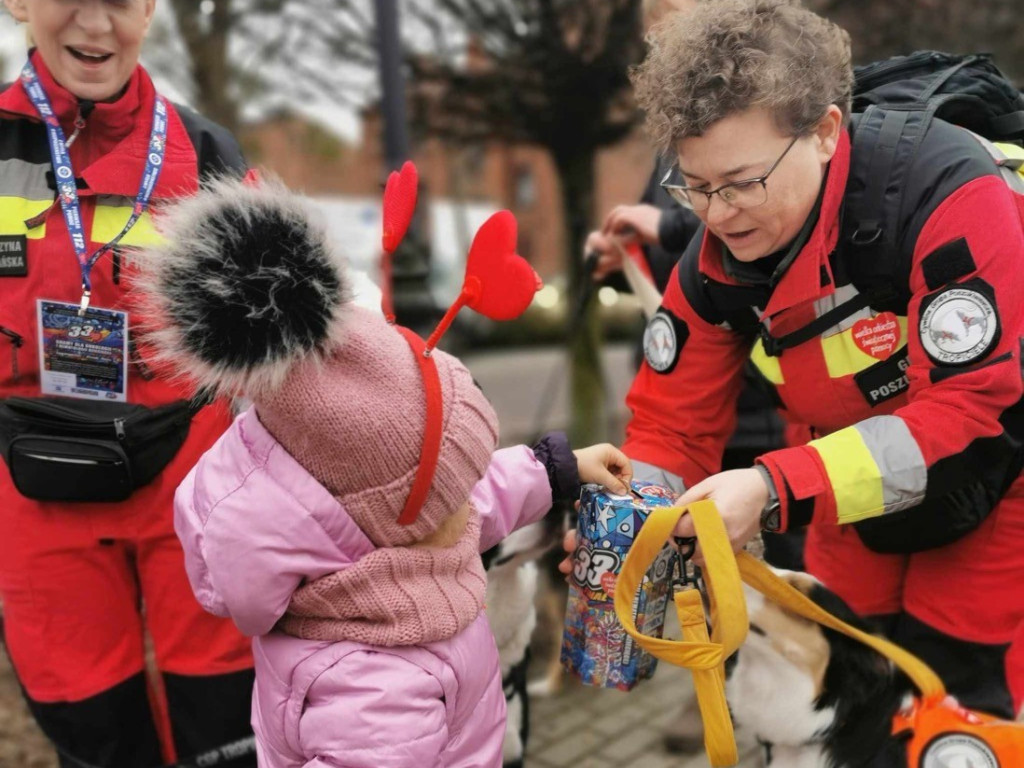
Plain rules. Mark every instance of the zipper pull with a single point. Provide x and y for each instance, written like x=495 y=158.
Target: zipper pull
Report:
x=79 y=125
x=17 y=341
x=119 y=429
x=85 y=108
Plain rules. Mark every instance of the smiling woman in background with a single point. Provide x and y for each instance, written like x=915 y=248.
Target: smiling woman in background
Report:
x=89 y=562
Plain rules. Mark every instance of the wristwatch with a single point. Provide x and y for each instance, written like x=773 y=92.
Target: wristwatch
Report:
x=771 y=514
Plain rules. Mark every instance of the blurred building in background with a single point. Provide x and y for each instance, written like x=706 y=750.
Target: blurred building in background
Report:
x=462 y=187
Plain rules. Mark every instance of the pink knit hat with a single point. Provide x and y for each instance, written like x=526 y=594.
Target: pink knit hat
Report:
x=249 y=297
x=356 y=424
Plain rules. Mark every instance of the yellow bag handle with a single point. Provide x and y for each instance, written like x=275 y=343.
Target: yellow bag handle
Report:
x=705 y=656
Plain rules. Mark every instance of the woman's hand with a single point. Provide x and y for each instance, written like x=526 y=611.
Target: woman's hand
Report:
x=609 y=255
x=605 y=465
x=739 y=494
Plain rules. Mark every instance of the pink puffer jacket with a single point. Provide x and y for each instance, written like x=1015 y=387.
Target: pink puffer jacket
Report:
x=254 y=526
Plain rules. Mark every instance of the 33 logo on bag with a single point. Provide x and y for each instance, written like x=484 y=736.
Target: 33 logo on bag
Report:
x=590 y=565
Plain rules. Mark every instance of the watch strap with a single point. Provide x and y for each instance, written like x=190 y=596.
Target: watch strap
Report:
x=771 y=513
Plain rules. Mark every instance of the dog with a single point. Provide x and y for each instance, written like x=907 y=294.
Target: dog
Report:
x=512 y=585
x=815 y=698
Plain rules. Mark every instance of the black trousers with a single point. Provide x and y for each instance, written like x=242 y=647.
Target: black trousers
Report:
x=975 y=673
x=115 y=729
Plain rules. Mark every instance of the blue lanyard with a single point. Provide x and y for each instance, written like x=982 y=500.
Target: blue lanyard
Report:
x=67 y=191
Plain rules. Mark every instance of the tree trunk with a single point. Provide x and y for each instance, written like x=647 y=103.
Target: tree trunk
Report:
x=208 y=49
x=586 y=389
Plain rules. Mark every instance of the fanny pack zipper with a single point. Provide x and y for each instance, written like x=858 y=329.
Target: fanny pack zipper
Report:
x=68 y=419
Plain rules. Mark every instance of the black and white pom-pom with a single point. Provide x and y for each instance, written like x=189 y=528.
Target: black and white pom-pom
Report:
x=245 y=285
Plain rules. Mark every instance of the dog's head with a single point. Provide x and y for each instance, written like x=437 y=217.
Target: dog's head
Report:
x=524 y=545
x=794 y=682
x=512 y=585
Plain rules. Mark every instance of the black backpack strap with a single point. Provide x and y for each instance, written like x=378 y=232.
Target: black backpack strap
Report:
x=869 y=222
x=775 y=345
x=216 y=149
x=869 y=253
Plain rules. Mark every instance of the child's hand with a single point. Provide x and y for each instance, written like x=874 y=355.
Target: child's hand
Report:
x=605 y=465
x=569 y=545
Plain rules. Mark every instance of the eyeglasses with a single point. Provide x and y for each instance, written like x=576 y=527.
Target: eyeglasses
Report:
x=748 y=193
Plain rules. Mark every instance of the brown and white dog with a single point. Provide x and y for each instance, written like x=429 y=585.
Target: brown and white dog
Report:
x=814 y=698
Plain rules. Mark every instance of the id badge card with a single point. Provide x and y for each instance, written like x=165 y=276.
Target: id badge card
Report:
x=83 y=356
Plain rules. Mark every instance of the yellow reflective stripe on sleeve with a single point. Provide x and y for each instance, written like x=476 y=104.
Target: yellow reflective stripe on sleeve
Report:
x=15 y=211
x=853 y=474
x=108 y=221
x=768 y=366
x=844 y=358
x=1013 y=152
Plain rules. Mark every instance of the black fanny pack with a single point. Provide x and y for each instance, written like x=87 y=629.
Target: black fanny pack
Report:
x=61 y=449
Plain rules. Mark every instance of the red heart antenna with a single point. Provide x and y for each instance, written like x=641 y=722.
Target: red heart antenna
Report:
x=400 y=193
x=499 y=283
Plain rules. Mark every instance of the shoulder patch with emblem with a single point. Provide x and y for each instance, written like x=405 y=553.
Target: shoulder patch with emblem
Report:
x=664 y=338
x=958 y=749
x=959 y=324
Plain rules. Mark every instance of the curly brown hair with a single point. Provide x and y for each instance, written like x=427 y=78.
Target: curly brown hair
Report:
x=727 y=56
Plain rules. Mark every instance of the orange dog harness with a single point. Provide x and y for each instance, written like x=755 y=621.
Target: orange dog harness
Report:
x=945 y=734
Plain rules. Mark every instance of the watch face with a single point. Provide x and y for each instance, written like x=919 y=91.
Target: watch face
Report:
x=771 y=517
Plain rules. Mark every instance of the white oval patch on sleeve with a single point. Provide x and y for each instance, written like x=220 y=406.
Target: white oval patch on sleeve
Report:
x=661 y=343
x=958 y=326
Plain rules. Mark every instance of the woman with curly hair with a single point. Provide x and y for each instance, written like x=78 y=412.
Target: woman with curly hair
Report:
x=910 y=490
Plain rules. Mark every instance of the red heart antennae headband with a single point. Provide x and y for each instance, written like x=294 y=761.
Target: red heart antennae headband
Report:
x=499 y=284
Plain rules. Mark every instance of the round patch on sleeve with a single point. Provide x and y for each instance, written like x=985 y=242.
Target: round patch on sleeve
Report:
x=959 y=325
x=957 y=749
x=663 y=341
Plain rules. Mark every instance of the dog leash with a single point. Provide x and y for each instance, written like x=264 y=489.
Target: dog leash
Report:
x=703 y=654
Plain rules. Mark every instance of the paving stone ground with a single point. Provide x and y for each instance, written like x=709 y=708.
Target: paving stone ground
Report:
x=595 y=728
x=585 y=727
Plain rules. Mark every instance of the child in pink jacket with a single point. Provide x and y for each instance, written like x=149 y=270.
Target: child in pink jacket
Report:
x=313 y=524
